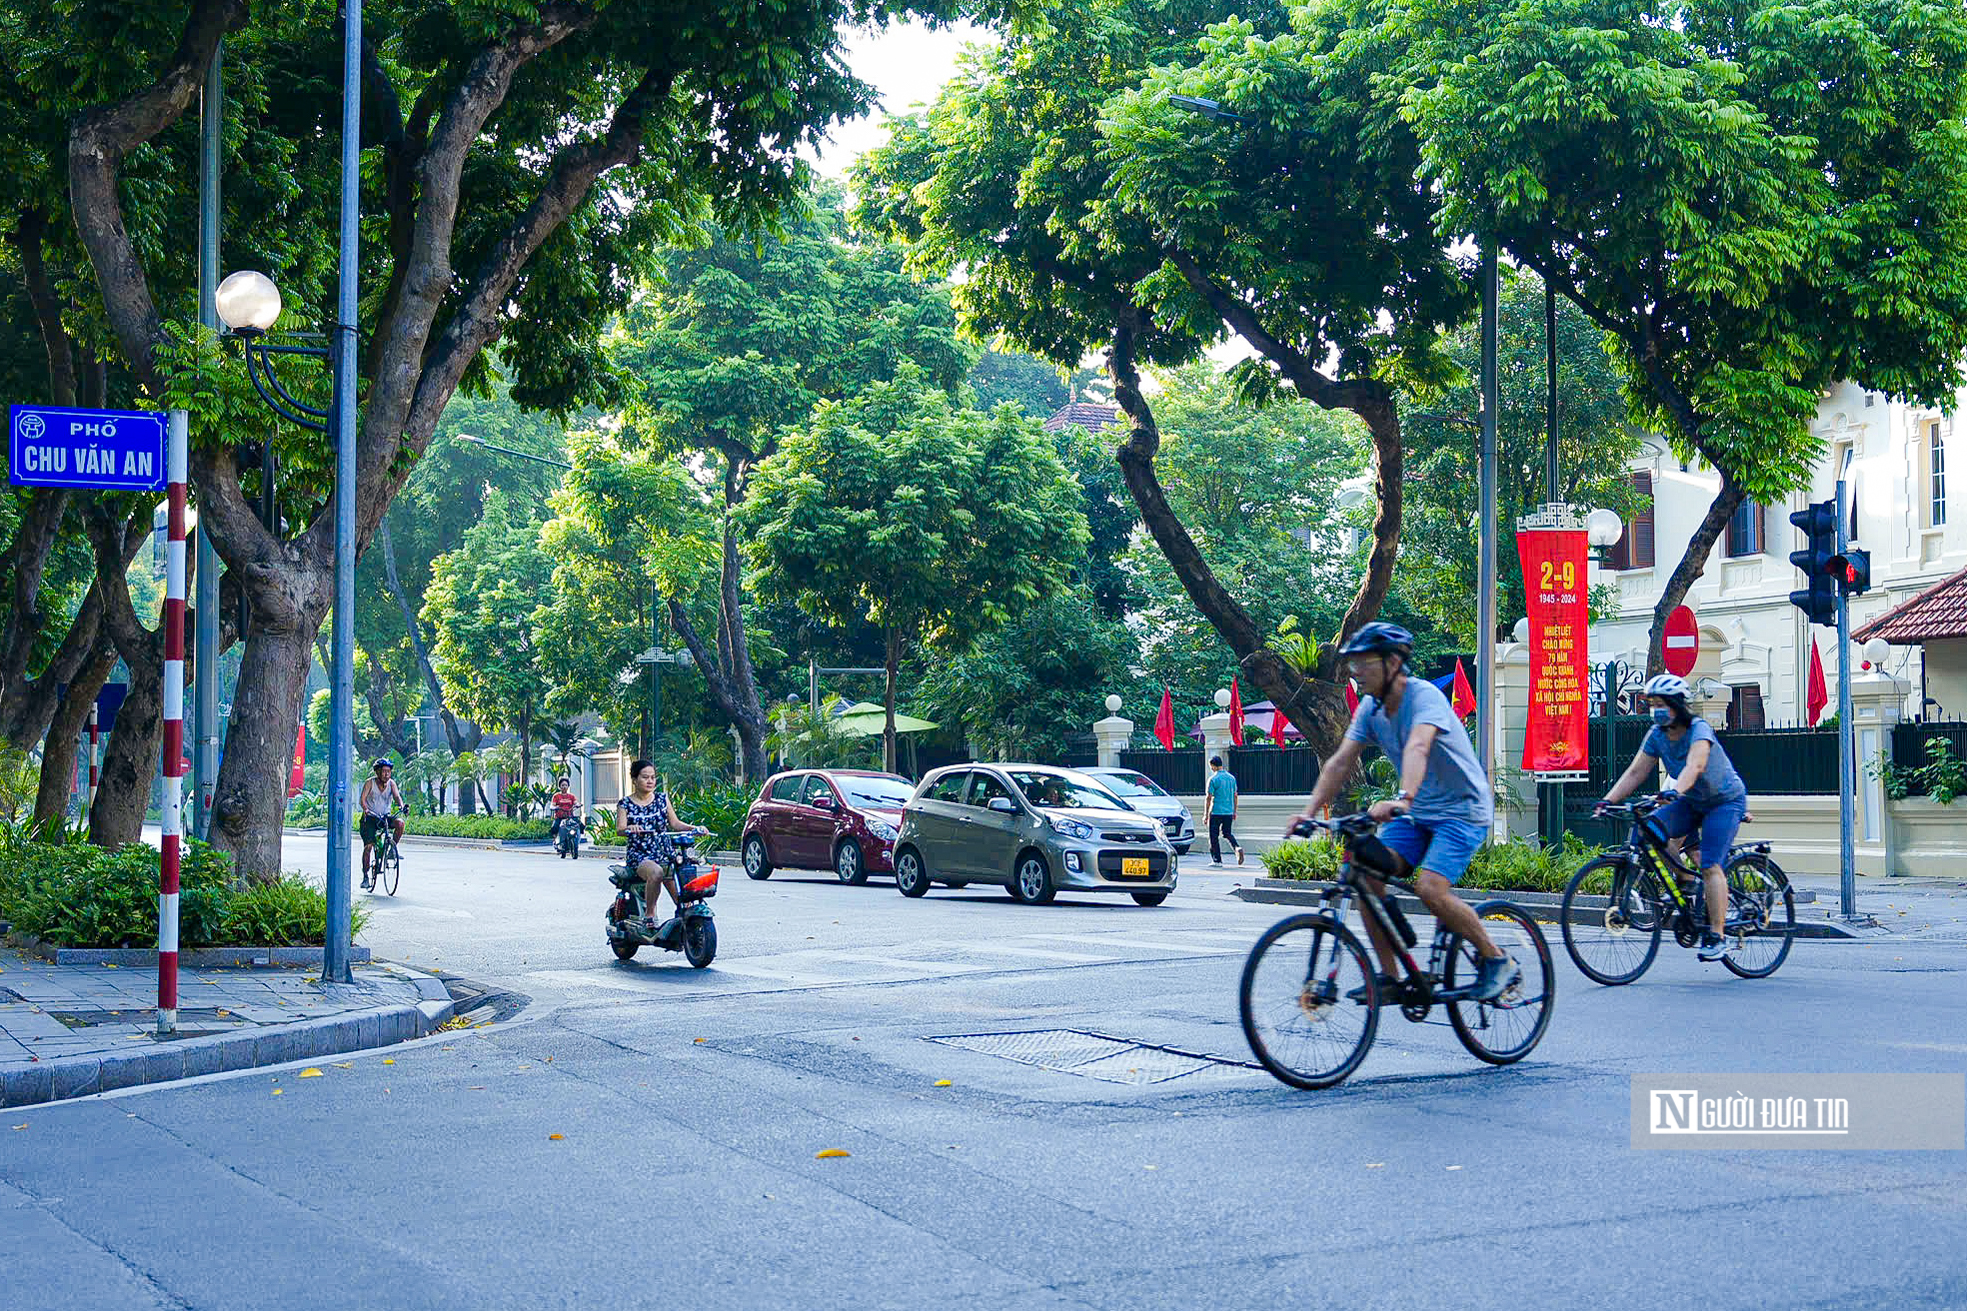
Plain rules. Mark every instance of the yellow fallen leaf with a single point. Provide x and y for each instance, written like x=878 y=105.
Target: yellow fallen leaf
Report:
x=556 y=1137
x=106 y=965
x=942 y=1083
x=277 y=1092
x=389 y=1060
x=830 y=1154
x=343 y=1065
x=310 y=1073
x=699 y=1040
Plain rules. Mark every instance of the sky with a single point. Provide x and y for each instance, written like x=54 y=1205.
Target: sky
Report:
x=908 y=64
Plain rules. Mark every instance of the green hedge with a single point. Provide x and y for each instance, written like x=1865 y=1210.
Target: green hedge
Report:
x=1497 y=866
x=474 y=826
x=72 y=894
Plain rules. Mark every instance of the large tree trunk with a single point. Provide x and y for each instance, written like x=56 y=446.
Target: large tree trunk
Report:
x=64 y=740
x=1316 y=706
x=1693 y=561
x=27 y=705
x=130 y=758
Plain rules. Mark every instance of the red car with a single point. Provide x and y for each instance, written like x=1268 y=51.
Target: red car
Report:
x=845 y=820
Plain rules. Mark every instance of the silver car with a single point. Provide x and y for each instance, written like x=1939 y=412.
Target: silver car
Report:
x=1035 y=829
x=1147 y=796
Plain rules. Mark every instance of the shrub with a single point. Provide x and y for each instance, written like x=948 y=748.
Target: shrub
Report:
x=1313 y=860
x=1501 y=866
x=473 y=826
x=289 y=912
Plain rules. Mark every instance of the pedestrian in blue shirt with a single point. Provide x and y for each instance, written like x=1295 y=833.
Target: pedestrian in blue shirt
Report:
x=1222 y=811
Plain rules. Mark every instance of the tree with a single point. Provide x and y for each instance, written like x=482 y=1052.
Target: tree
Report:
x=481 y=607
x=1439 y=562
x=737 y=341
x=1084 y=216
x=1029 y=383
x=1745 y=227
x=934 y=522
x=492 y=129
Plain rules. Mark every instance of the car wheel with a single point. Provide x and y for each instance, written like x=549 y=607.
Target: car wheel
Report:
x=1150 y=898
x=756 y=865
x=1031 y=881
x=847 y=864
x=910 y=878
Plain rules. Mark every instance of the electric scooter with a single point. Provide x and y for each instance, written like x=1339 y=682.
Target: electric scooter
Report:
x=567 y=837
x=691 y=930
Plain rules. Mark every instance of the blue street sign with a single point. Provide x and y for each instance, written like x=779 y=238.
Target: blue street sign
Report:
x=108 y=702
x=109 y=450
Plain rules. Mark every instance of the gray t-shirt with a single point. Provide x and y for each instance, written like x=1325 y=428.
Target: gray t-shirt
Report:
x=1718 y=782
x=1454 y=787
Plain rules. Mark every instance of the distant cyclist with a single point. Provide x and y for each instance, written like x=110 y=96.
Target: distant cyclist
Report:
x=1441 y=813
x=1704 y=790
x=380 y=801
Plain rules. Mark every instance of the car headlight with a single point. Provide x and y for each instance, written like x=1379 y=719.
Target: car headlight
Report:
x=886 y=832
x=1072 y=828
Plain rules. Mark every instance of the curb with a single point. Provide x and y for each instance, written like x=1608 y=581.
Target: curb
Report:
x=1302 y=892
x=377 y=1026
x=196 y=958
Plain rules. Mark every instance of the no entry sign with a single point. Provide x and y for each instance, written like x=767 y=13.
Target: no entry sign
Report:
x=107 y=450
x=1683 y=642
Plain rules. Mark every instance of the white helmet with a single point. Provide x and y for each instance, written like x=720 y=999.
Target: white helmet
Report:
x=1667 y=685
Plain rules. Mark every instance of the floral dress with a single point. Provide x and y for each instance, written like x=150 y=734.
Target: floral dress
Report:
x=654 y=845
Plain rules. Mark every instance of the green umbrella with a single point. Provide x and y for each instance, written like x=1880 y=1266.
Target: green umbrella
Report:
x=866 y=719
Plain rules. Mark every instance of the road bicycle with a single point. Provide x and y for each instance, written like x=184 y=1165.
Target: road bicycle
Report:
x=1310 y=997
x=386 y=861
x=1648 y=891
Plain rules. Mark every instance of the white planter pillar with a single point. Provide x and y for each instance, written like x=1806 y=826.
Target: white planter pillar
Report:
x=1112 y=736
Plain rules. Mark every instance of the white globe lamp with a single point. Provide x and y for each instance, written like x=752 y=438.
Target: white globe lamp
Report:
x=248 y=302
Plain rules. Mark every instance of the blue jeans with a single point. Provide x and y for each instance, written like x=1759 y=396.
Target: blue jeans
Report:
x=1718 y=823
x=1444 y=846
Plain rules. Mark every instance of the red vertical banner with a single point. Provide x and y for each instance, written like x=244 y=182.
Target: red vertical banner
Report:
x=298 y=775
x=1556 y=736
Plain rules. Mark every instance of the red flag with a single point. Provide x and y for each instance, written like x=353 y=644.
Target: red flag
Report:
x=299 y=772
x=1351 y=700
x=1278 y=725
x=1235 y=714
x=1818 y=695
x=1464 y=698
x=1164 y=722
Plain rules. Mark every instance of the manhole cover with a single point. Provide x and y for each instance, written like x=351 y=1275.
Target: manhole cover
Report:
x=1094 y=1055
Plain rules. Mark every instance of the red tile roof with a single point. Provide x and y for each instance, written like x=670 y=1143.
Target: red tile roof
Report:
x=1090 y=415
x=1939 y=611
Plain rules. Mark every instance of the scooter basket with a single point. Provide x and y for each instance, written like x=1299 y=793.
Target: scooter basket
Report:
x=699 y=886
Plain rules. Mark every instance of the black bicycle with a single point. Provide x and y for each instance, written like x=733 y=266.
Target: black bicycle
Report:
x=1310 y=997
x=1617 y=907
x=386 y=863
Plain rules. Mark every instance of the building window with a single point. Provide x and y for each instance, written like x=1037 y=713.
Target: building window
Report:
x=1936 y=477
x=1745 y=707
x=1635 y=548
x=1745 y=531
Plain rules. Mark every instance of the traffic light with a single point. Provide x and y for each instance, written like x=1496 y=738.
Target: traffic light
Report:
x=1819 y=562
x=1852 y=571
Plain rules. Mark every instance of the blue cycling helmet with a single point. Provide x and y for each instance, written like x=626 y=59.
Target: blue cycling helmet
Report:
x=1380 y=639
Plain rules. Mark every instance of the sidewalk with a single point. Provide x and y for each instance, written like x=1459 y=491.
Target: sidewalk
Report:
x=1931 y=909
x=73 y=1030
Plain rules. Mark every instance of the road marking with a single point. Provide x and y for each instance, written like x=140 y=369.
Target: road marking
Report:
x=896 y=962
x=1137 y=943
x=586 y=979
x=1034 y=952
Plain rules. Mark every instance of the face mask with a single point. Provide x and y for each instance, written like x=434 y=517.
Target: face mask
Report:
x=1662 y=716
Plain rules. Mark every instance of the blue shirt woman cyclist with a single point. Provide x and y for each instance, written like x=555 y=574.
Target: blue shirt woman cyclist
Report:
x=1706 y=794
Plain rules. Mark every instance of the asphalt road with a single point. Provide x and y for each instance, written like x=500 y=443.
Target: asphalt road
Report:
x=646 y=1135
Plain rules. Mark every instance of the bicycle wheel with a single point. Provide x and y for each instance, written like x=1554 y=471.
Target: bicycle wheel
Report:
x=389 y=868
x=1504 y=1030
x=1293 y=1001
x=1761 y=915
x=1613 y=945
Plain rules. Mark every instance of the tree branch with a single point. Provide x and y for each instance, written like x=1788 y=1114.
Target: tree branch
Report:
x=29 y=237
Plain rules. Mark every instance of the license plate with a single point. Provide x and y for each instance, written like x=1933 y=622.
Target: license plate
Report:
x=1135 y=867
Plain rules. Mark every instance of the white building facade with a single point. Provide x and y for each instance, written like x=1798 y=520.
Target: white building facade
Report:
x=1895 y=459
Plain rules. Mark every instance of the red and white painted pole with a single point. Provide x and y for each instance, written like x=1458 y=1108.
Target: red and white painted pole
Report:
x=176 y=460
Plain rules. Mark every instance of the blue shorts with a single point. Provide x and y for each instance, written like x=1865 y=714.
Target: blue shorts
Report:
x=1444 y=847
x=1718 y=825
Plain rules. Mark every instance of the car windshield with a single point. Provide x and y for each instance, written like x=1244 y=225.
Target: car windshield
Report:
x=877 y=793
x=1130 y=785
x=1063 y=791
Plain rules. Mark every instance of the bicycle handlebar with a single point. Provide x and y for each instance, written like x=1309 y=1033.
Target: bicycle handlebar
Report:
x=1355 y=826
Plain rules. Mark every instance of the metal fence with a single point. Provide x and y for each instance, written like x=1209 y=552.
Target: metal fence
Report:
x=1784 y=761
x=1180 y=772
x=1909 y=746
x=1273 y=771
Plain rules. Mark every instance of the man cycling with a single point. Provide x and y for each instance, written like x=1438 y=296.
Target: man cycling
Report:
x=1441 y=813
x=381 y=799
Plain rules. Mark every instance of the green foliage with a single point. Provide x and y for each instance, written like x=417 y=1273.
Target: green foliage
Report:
x=720 y=808
x=1943 y=777
x=73 y=894
x=1315 y=860
x=474 y=826
x=1496 y=866
x=817 y=741
x=1030 y=384
x=20 y=778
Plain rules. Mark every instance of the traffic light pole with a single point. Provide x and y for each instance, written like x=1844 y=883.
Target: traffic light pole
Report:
x=1847 y=764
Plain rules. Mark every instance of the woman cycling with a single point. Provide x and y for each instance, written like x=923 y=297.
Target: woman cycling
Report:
x=647 y=818
x=1707 y=793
